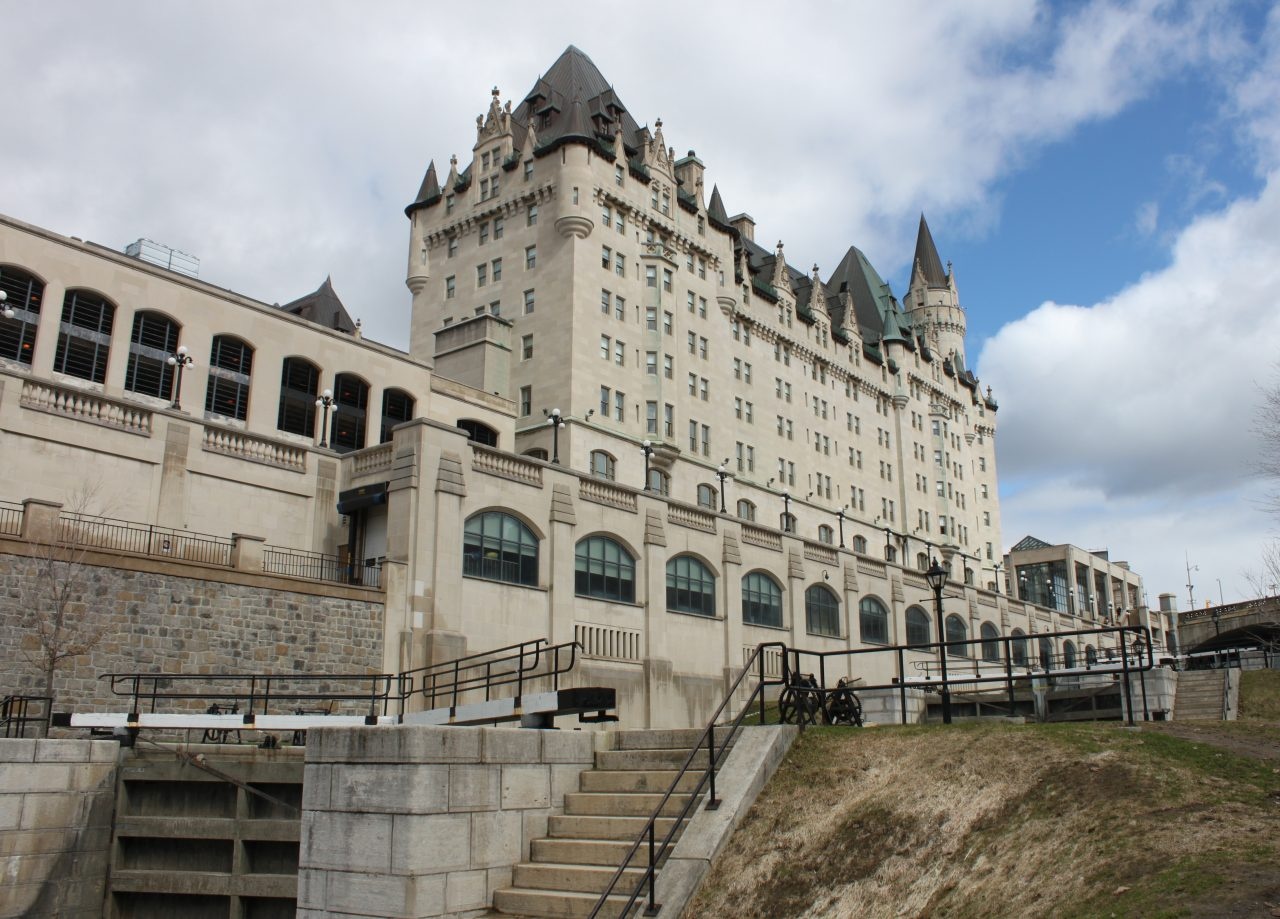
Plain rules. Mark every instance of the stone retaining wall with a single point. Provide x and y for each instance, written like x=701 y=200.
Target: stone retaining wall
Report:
x=57 y=798
x=426 y=821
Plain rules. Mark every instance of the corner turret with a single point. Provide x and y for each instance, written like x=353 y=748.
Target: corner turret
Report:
x=932 y=301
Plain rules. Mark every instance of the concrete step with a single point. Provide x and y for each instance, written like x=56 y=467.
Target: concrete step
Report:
x=599 y=827
x=624 y=780
x=577 y=878
x=648 y=759
x=553 y=904
x=679 y=739
x=609 y=852
x=631 y=804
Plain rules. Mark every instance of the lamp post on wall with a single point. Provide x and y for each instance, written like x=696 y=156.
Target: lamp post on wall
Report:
x=647 y=449
x=325 y=402
x=181 y=360
x=722 y=473
x=937 y=578
x=840 y=517
x=786 y=511
x=887 y=533
x=7 y=309
x=555 y=422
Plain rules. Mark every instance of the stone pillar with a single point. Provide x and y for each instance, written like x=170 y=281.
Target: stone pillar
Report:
x=172 y=509
x=47 y=331
x=560 y=555
x=246 y=552
x=40 y=520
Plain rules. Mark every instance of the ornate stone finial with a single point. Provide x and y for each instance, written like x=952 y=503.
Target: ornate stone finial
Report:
x=948 y=266
x=657 y=124
x=815 y=271
x=988 y=392
x=495 y=92
x=779 y=245
x=453 y=159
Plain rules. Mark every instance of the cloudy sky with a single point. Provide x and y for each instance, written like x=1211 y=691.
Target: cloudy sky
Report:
x=1105 y=177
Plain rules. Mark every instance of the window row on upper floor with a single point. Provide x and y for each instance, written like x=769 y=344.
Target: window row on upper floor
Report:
x=84 y=345
x=498 y=546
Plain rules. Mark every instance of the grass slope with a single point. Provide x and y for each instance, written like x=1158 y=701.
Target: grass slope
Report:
x=1002 y=820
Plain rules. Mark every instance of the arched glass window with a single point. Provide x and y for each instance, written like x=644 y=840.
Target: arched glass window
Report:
x=230 y=370
x=922 y=561
x=299 y=385
x=605 y=570
x=990 y=643
x=23 y=295
x=890 y=554
x=873 y=622
x=968 y=575
x=84 y=337
x=479 y=432
x=1046 y=653
x=153 y=340
x=691 y=587
x=821 y=611
x=350 y=410
x=1090 y=656
x=707 y=497
x=537 y=453
x=826 y=534
x=659 y=482
x=761 y=600
x=746 y=510
x=603 y=465
x=860 y=545
x=1068 y=654
x=397 y=408
x=957 y=630
x=1018 y=647
x=499 y=547
x=917 y=627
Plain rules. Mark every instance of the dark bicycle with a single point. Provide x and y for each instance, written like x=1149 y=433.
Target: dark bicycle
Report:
x=218 y=735
x=803 y=701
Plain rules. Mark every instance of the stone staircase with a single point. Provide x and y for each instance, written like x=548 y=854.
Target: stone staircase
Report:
x=1200 y=694
x=570 y=867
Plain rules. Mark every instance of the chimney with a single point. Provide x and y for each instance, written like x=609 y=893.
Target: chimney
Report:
x=745 y=225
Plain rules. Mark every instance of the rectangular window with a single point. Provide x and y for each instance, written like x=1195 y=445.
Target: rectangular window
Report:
x=606 y=216
x=668 y=322
x=651 y=417
x=528 y=170
x=691 y=301
x=702 y=347
x=737 y=368
x=693 y=343
x=605 y=346
x=668 y=366
x=620 y=307
x=619 y=352
x=528 y=301
x=605 y=396
x=618 y=174
x=651 y=318
x=702 y=268
x=706 y=440
x=620 y=264
x=531 y=216
x=651 y=363
x=751 y=413
x=484 y=232
x=650 y=275
x=746 y=373
x=606 y=257
x=453 y=246
x=693 y=384
x=498 y=226
x=495 y=270
x=737 y=406
x=526 y=401
x=450 y=287
x=484 y=189
x=606 y=302
x=526 y=347
x=666 y=279
x=702 y=307
x=530 y=257
x=693 y=436
x=704 y=388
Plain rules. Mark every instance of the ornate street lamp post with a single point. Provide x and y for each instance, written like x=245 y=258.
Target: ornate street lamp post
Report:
x=555 y=422
x=786 y=511
x=647 y=449
x=7 y=310
x=325 y=402
x=722 y=474
x=840 y=517
x=937 y=578
x=181 y=360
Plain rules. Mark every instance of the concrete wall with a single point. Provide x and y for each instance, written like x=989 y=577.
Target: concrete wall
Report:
x=157 y=620
x=56 y=803
x=426 y=821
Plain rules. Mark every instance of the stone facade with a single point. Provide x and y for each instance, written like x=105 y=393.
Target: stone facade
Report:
x=56 y=803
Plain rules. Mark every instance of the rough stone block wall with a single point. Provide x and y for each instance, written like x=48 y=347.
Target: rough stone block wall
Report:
x=160 y=622
x=426 y=821
x=57 y=798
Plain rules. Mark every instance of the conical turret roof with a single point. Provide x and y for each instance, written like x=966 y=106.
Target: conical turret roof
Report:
x=927 y=257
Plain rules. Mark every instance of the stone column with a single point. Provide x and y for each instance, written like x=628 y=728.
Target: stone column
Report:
x=40 y=520
x=246 y=552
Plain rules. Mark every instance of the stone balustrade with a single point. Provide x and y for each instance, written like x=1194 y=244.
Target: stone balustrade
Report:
x=43 y=396
x=816 y=552
x=602 y=492
x=606 y=642
x=759 y=536
x=231 y=442
x=371 y=460
x=505 y=465
x=686 y=516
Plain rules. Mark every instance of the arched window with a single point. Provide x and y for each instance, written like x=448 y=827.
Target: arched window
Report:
x=707 y=497
x=917 y=627
x=605 y=570
x=990 y=643
x=873 y=622
x=821 y=611
x=537 y=453
x=788 y=523
x=23 y=295
x=1090 y=656
x=479 y=432
x=826 y=534
x=1018 y=647
x=84 y=337
x=1046 y=653
x=746 y=510
x=1068 y=655
x=968 y=575
x=860 y=545
x=153 y=340
x=890 y=554
x=957 y=630
x=659 y=482
x=922 y=561
x=299 y=385
x=350 y=409
x=691 y=587
x=761 y=600
x=397 y=408
x=230 y=370
x=602 y=465
x=499 y=547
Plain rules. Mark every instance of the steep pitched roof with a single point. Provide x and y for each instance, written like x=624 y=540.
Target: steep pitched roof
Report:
x=872 y=300
x=1027 y=543
x=428 y=192
x=323 y=307
x=555 y=97
x=927 y=257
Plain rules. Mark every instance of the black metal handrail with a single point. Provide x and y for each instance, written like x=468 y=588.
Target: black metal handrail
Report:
x=144 y=539
x=15 y=715
x=258 y=692
x=657 y=850
x=10 y=518
x=445 y=683
x=317 y=566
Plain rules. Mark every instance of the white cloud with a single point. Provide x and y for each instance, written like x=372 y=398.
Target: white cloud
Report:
x=1147 y=218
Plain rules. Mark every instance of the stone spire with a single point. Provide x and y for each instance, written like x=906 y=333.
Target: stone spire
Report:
x=928 y=266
